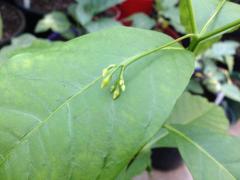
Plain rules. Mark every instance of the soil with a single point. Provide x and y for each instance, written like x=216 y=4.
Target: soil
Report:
x=13 y=21
x=45 y=6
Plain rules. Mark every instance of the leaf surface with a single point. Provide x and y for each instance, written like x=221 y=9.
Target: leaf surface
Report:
x=203 y=140
x=56 y=122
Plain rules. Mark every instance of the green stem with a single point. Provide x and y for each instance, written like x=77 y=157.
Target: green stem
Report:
x=192 y=17
x=221 y=30
x=214 y=33
x=136 y=58
x=218 y=9
x=1 y=26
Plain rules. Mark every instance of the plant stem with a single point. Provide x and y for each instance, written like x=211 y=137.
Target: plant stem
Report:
x=212 y=34
x=1 y=26
x=221 y=30
x=136 y=58
x=218 y=9
x=192 y=20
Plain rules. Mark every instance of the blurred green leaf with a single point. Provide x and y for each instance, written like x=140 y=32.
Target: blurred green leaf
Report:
x=84 y=10
x=212 y=85
x=200 y=138
x=195 y=87
x=141 y=20
x=231 y=91
x=221 y=49
x=101 y=24
x=56 y=21
x=170 y=10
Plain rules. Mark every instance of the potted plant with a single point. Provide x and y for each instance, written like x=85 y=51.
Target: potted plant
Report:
x=12 y=22
x=63 y=125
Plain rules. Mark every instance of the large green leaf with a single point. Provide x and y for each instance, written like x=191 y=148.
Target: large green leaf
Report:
x=202 y=17
x=25 y=43
x=56 y=122
x=203 y=141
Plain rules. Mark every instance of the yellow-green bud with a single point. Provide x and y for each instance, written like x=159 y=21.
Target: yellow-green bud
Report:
x=106 y=71
x=116 y=93
x=106 y=81
x=113 y=87
x=123 y=87
x=121 y=82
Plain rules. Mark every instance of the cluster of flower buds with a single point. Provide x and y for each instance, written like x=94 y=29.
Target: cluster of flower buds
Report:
x=119 y=86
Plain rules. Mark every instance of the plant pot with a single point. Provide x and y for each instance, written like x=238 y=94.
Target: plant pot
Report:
x=9 y=1
x=42 y=7
x=13 y=22
x=166 y=159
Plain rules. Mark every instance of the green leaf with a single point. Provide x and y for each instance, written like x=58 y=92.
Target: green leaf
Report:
x=202 y=139
x=221 y=49
x=143 y=160
x=24 y=43
x=195 y=87
x=84 y=10
x=96 y=6
x=56 y=21
x=56 y=122
x=231 y=91
x=100 y=24
x=141 y=20
x=190 y=109
x=209 y=19
x=170 y=10
x=81 y=15
x=202 y=12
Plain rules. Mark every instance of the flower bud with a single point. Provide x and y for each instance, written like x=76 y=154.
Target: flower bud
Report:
x=106 y=81
x=116 y=93
x=106 y=71
x=123 y=87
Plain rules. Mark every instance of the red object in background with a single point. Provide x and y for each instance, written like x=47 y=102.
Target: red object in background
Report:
x=130 y=7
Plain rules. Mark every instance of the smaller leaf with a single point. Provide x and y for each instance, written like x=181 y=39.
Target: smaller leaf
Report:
x=221 y=49
x=81 y=15
x=101 y=24
x=141 y=20
x=231 y=91
x=170 y=10
x=203 y=139
x=56 y=21
x=195 y=87
x=212 y=85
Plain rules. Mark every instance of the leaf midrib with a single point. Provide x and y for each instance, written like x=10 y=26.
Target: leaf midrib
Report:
x=199 y=147
x=50 y=115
